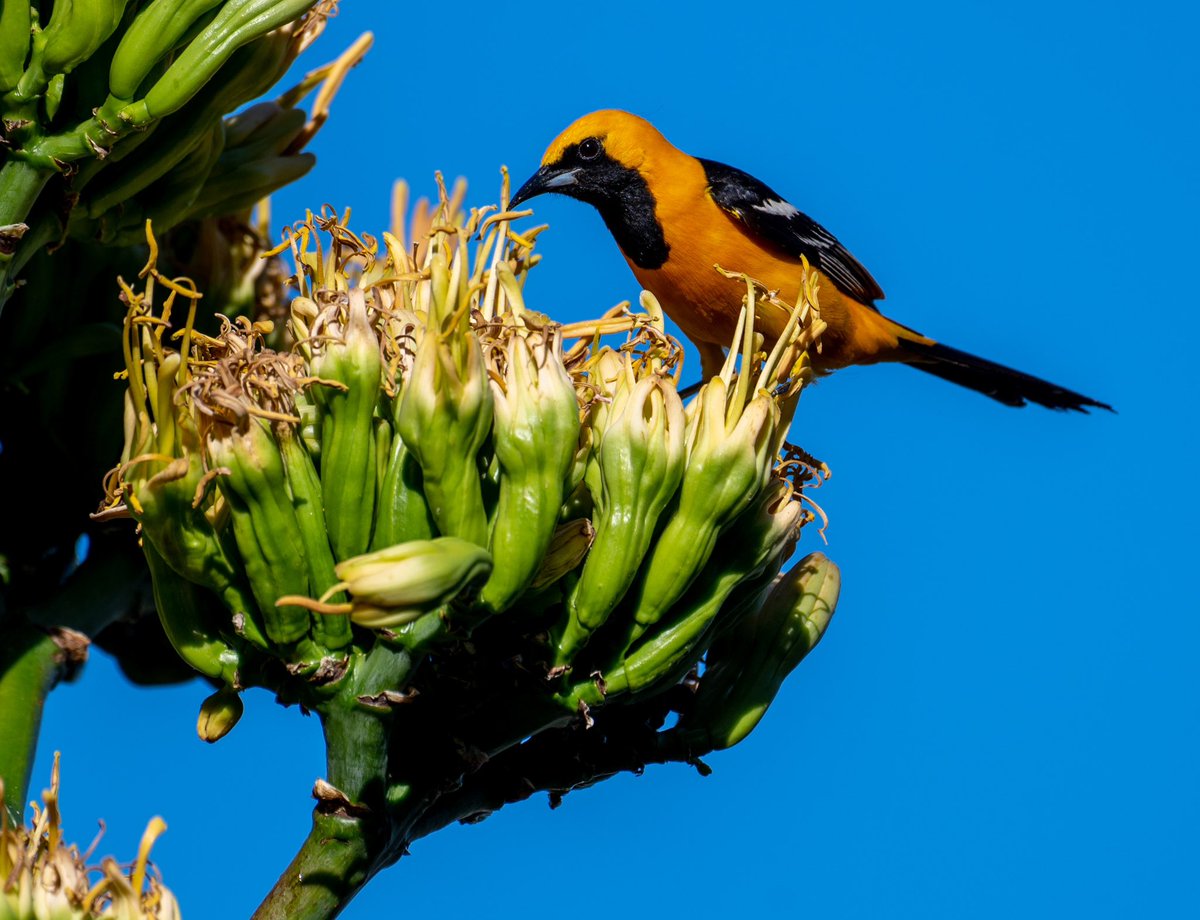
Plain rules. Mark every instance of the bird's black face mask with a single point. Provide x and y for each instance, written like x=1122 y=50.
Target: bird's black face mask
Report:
x=620 y=194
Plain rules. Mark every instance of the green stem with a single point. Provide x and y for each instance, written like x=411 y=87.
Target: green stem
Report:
x=353 y=837
x=332 y=865
x=20 y=185
x=44 y=644
x=30 y=665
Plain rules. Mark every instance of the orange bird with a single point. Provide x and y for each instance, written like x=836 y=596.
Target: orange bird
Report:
x=675 y=216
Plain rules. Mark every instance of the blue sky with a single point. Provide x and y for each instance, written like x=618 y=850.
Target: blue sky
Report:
x=1002 y=718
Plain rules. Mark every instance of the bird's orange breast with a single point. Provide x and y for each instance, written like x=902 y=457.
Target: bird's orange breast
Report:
x=706 y=304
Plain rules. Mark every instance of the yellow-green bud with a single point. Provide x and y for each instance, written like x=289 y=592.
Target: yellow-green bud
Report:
x=396 y=585
x=535 y=437
x=729 y=461
x=76 y=30
x=154 y=32
x=219 y=714
x=444 y=417
x=349 y=355
x=747 y=666
x=235 y=25
x=641 y=458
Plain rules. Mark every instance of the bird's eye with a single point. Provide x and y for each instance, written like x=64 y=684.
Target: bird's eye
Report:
x=589 y=148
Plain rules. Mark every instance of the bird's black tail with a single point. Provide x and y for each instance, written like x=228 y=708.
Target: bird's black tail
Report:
x=1003 y=384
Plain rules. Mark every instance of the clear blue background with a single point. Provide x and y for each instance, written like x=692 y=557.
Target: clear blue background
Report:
x=1002 y=719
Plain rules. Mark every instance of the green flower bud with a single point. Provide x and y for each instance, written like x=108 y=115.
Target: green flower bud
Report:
x=264 y=524
x=641 y=459
x=729 y=462
x=304 y=486
x=154 y=33
x=227 y=192
x=15 y=33
x=248 y=72
x=266 y=127
x=608 y=373
x=236 y=24
x=168 y=201
x=747 y=666
x=758 y=541
x=348 y=354
x=219 y=713
x=397 y=585
x=535 y=437
x=76 y=30
x=189 y=621
x=161 y=500
x=403 y=513
x=444 y=417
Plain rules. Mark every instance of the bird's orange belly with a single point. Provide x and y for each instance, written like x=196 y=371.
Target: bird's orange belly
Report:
x=705 y=304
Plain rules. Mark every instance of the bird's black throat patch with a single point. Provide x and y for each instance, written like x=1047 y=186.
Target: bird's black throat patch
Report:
x=625 y=203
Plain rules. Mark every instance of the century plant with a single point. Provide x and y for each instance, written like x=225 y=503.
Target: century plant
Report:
x=490 y=551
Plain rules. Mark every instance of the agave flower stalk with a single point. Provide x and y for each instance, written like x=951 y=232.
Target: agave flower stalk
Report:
x=432 y=499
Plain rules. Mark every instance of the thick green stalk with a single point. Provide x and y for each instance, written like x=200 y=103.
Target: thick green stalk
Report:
x=356 y=735
x=20 y=185
x=30 y=665
x=332 y=865
x=352 y=833
x=45 y=643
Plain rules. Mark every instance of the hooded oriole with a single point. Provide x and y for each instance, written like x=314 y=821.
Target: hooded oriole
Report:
x=675 y=217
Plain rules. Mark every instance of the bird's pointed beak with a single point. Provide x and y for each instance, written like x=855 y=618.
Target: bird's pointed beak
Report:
x=546 y=179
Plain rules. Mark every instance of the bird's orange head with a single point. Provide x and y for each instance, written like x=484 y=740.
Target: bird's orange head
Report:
x=608 y=159
x=622 y=137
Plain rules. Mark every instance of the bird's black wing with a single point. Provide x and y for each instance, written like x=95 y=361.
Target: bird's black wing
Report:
x=769 y=216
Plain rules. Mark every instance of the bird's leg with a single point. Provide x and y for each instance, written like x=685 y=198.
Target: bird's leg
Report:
x=712 y=359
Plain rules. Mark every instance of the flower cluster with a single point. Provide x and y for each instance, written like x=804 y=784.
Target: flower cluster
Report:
x=421 y=458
